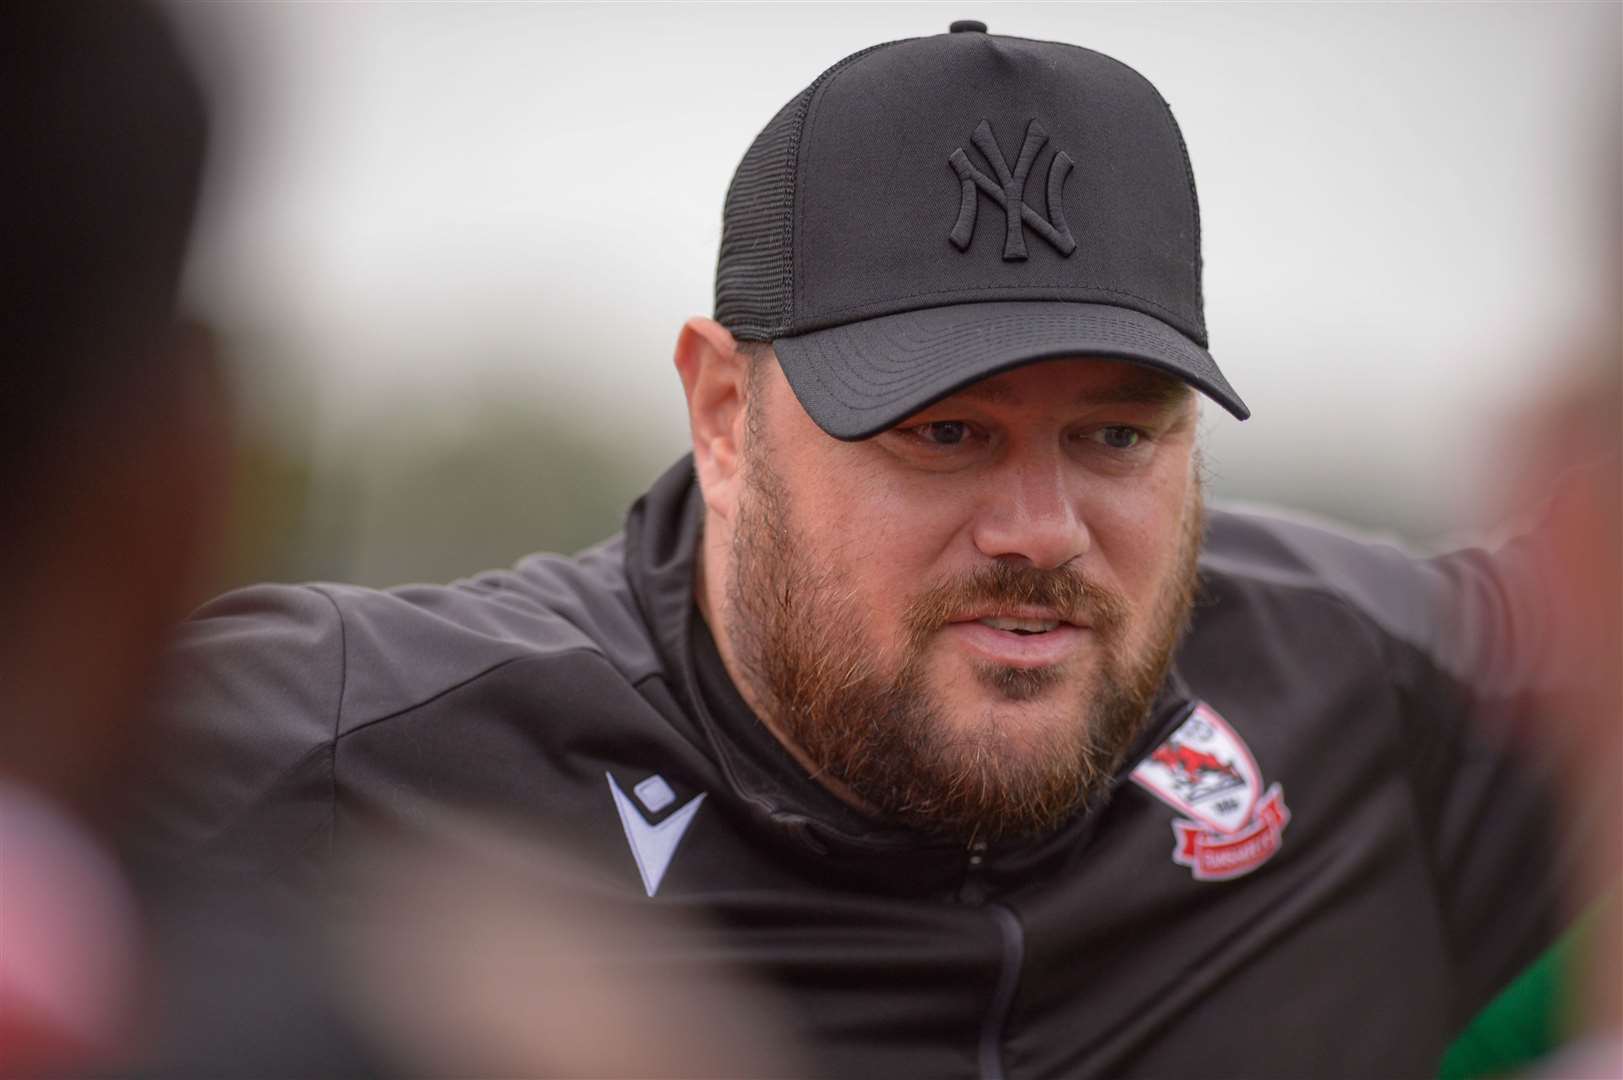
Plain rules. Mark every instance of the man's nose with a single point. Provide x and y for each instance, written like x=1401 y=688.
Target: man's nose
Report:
x=1031 y=512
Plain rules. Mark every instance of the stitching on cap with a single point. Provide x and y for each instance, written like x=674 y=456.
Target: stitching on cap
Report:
x=792 y=154
x=906 y=377
x=1069 y=286
x=855 y=369
x=838 y=371
x=1194 y=197
x=1183 y=147
x=791 y=256
x=1188 y=168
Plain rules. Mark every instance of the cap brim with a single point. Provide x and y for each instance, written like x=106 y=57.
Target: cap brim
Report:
x=862 y=378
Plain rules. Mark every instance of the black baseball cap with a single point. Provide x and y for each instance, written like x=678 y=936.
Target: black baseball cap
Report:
x=933 y=211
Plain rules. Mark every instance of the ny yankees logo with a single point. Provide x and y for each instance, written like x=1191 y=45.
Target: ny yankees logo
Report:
x=1008 y=191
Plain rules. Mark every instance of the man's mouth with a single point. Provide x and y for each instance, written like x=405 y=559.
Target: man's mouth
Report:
x=1029 y=638
x=1021 y=619
x=1019 y=626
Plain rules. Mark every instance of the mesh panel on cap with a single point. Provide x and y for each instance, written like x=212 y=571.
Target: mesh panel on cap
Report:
x=754 y=272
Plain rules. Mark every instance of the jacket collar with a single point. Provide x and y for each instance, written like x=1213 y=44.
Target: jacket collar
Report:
x=662 y=546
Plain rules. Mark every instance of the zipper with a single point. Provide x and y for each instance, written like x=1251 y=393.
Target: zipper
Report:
x=1012 y=954
x=972 y=890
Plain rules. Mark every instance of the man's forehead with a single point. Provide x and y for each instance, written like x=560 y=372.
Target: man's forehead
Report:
x=1080 y=381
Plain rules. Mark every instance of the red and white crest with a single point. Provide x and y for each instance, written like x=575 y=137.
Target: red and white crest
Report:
x=1205 y=771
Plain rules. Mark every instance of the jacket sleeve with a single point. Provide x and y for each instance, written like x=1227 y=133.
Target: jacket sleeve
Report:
x=1469 y=648
x=244 y=781
x=1485 y=773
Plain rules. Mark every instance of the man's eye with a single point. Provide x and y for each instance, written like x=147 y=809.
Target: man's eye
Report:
x=943 y=432
x=1118 y=437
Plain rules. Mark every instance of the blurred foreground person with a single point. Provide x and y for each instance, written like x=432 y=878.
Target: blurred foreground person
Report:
x=461 y=957
x=1563 y=1017
x=466 y=949
x=113 y=454
x=928 y=678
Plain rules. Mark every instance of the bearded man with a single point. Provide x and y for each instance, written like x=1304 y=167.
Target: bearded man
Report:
x=926 y=680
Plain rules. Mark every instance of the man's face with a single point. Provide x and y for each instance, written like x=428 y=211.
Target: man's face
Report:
x=963 y=620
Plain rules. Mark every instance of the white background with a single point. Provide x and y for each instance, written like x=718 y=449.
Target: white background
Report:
x=1405 y=208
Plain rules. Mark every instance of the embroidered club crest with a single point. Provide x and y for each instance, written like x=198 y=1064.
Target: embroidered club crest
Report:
x=1205 y=771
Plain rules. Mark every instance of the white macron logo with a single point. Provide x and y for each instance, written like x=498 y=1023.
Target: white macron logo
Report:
x=653 y=845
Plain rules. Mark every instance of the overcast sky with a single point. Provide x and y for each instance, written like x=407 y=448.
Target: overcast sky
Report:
x=1402 y=204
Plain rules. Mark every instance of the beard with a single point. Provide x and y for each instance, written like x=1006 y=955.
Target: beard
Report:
x=793 y=622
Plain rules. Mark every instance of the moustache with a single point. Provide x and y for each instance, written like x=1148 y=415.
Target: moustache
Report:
x=1063 y=592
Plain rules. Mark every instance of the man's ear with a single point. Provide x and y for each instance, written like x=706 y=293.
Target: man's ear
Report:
x=714 y=378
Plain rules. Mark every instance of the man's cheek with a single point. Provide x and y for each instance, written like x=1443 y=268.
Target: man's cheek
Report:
x=878 y=538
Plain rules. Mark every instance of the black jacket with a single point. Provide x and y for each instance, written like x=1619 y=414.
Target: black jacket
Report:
x=1350 y=874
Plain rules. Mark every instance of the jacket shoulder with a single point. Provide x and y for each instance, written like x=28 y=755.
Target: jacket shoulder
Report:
x=407 y=645
x=263 y=681
x=353 y=655
x=1293 y=550
x=1453 y=609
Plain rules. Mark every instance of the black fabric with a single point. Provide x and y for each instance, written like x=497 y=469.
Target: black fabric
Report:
x=887 y=187
x=1415 y=874
x=752 y=271
x=1008 y=191
x=876 y=195
x=755 y=269
x=859 y=379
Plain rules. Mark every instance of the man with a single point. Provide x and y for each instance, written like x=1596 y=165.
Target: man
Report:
x=928 y=680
